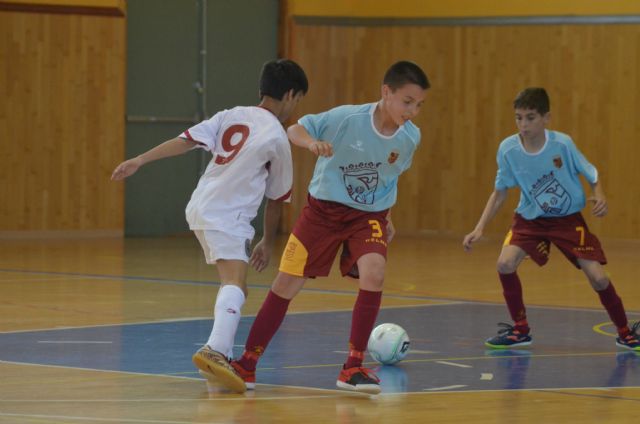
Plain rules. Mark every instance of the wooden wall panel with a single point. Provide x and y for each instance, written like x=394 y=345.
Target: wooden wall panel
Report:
x=592 y=73
x=62 y=84
x=82 y=7
x=457 y=8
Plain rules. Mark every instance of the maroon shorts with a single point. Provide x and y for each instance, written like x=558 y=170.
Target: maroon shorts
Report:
x=321 y=229
x=568 y=233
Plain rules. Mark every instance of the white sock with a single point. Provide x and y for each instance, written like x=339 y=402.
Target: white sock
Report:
x=226 y=319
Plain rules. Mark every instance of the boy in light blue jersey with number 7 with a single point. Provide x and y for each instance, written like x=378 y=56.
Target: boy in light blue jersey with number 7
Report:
x=546 y=165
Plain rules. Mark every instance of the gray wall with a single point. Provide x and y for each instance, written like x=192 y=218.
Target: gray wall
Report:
x=163 y=63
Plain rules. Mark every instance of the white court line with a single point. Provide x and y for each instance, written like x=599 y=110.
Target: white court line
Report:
x=126 y=373
x=486 y=376
x=117 y=324
x=453 y=364
x=336 y=392
x=533 y=389
x=74 y=342
x=329 y=392
x=455 y=386
x=411 y=351
x=205 y=342
x=340 y=393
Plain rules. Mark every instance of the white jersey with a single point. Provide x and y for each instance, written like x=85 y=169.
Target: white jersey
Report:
x=251 y=159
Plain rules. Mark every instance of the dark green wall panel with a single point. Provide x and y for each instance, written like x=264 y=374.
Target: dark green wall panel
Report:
x=164 y=65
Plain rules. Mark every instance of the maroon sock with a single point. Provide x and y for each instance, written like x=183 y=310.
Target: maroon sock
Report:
x=363 y=319
x=512 y=292
x=613 y=304
x=263 y=329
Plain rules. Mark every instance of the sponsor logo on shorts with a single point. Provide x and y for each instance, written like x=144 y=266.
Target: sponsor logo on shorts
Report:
x=247 y=247
x=376 y=240
x=543 y=248
x=290 y=251
x=583 y=249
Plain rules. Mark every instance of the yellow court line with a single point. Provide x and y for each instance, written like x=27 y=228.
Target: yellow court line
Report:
x=598 y=329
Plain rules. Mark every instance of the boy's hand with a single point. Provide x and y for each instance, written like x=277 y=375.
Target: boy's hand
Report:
x=126 y=169
x=321 y=148
x=471 y=238
x=261 y=255
x=600 y=207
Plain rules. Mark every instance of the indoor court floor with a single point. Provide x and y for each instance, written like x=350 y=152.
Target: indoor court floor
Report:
x=102 y=331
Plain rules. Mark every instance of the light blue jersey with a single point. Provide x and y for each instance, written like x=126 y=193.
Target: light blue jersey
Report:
x=549 y=179
x=364 y=169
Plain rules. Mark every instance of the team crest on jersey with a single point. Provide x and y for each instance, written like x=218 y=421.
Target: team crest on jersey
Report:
x=550 y=195
x=361 y=181
x=557 y=161
x=393 y=156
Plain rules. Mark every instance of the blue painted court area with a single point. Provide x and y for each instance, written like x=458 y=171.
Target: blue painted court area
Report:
x=447 y=351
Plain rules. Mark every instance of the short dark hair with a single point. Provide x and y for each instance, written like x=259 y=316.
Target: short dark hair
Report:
x=281 y=75
x=405 y=72
x=535 y=98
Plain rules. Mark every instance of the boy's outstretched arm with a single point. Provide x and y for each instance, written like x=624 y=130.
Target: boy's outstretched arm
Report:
x=600 y=207
x=493 y=206
x=173 y=147
x=262 y=252
x=300 y=137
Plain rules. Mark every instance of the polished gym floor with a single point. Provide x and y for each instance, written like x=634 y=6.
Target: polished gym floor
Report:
x=102 y=330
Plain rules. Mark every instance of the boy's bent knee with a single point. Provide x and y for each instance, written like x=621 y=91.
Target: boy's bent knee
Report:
x=506 y=266
x=599 y=284
x=287 y=285
x=372 y=269
x=372 y=282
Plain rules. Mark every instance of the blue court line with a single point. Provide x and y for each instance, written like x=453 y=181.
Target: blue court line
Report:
x=264 y=287
x=114 y=277
x=205 y=283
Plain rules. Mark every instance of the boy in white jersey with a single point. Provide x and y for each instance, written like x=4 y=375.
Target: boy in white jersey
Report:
x=546 y=165
x=362 y=150
x=251 y=160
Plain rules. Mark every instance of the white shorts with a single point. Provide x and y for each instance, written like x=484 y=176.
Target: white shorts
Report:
x=220 y=245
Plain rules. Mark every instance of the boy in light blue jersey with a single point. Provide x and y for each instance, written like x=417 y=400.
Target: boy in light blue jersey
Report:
x=362 y=150
x=546 y=165
x=361 y=176
x=548 y=178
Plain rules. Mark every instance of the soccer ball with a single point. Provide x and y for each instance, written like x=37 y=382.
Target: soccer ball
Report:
x=388 y=344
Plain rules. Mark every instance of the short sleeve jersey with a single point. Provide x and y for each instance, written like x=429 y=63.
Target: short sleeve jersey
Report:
x=251 y=159
x=364 y=169
x=549 y=179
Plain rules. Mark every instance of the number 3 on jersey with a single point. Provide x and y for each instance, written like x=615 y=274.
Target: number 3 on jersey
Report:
x=227 y=145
